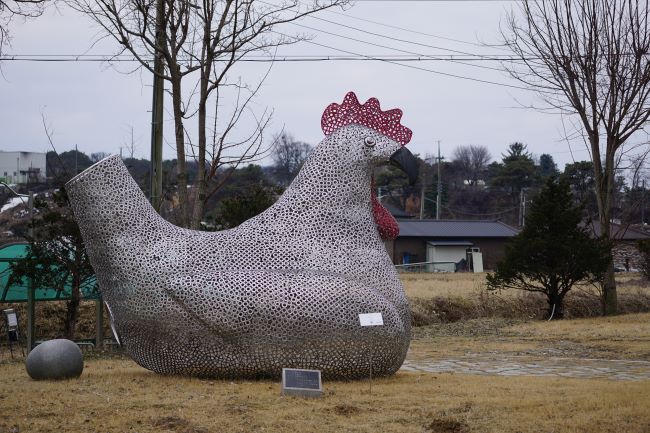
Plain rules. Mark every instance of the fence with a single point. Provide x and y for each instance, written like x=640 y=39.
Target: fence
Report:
x=427 y=267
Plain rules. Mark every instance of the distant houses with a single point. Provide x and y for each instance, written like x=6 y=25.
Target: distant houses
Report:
x=447 y=242
x=625 y=254
x=22 y=167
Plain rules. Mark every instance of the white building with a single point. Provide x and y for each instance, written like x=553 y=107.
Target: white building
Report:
x=22 y=167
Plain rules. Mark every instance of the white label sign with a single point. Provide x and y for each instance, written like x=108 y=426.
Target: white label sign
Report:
x=12 y=320
x=371 y=319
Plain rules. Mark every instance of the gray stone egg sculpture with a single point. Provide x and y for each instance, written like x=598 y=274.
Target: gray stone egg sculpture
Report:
x=55 y=359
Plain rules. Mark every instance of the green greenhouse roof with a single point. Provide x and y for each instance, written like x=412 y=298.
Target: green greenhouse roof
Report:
x=18 y=293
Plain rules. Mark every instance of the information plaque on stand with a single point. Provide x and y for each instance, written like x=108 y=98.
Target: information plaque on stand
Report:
x=302 y=383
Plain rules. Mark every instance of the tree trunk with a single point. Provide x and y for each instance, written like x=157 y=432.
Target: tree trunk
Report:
x=605 y=191
x=201 y=184
x=72 y=312
x=181 y=166
x=604 y=185
x=555 y=306
x=609 y=296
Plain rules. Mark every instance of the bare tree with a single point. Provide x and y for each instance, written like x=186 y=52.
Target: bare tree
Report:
x=472 y=161
x=200 y=43
x=589 y=59
x=98 y=156
x=288 y=157
x=129 y=146
x=10 y=9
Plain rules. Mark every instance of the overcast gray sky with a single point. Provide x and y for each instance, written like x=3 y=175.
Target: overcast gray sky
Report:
x=94 y=105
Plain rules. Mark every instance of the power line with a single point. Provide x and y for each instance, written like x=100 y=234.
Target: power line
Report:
x=384 y=46
x=288 y=57
x=481 y=214
x=395 y=40
x=308 y=59
x=411 y=31
x=446 y=74
x=392 y=38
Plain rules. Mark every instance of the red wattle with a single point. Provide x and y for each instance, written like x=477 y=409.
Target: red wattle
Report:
x=386 y=223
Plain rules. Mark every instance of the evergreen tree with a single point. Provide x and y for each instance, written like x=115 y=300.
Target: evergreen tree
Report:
x=553 y=252
x=62 y=167
x=547 y=166
x=517 y=171
x=234 y=210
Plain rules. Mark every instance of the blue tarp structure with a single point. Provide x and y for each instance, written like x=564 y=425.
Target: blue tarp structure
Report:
x=18 y=293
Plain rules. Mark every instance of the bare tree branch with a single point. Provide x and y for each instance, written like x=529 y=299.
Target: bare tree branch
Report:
x=589 y=59
x=11 y=9
x=201 y=44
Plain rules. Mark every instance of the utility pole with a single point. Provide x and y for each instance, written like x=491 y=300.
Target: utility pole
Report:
x=522 y=207
x=155 y=183
x=76 y=165
x=422 y=198
x=31 y=289
x=439 y=189
x=643 y=205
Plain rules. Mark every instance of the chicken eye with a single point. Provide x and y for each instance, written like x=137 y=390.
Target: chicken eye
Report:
x=369 y=141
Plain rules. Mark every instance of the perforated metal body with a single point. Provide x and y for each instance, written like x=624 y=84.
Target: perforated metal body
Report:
x=283 y=289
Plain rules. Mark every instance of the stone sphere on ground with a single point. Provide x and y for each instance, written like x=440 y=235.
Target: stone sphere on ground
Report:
x=55 y=359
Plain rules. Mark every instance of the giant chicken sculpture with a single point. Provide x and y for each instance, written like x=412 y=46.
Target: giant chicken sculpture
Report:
x=283 y=289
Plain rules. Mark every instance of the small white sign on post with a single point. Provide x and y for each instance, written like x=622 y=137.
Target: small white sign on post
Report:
x=371 y=319
x=12 y=320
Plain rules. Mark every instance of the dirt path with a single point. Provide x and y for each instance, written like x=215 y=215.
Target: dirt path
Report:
x=615 y=348
x=527 y=366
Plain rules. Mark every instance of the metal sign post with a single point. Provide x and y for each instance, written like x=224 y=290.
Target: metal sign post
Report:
x=30 y=289
x=371 y=319
x=12 y=329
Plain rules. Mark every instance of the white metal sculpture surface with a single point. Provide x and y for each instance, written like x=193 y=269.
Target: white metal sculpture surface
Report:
x=283 y=289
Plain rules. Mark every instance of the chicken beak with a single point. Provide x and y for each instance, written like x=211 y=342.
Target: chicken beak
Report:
x=405 y=160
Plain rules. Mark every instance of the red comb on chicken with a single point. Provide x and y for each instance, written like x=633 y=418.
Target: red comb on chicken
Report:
x=385 y=122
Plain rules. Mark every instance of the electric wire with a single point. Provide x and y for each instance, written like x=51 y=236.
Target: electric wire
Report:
x=393 y=38
x=277 y=58
x=390 y=26
x=392 y=48
x=433 y=71
x=416 y=32
x=14 y=57
x=357 y=55
x=481 y=214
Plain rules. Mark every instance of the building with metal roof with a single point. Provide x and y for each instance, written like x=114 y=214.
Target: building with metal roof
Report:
x=448 y=241
x=625 y=253
x=455 y=229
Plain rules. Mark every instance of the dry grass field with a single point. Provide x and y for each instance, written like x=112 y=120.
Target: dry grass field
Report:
x=620 y=337
x=116 y=395
x=465 y=284
x=444 y=298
